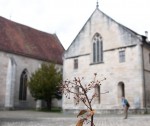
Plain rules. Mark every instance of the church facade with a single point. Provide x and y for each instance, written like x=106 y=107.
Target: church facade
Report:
x=111 y=50
x=22 y=51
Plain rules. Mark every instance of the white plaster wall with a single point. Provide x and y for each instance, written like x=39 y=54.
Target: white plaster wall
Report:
x=10 y=82
x=146 y=58
x=146 y=54
x=21 y=63
x=3 y=73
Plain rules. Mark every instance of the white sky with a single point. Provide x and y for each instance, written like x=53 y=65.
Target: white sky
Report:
x=67 y=17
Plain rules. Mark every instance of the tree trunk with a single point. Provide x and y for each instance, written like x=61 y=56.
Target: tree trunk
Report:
x=92 y=120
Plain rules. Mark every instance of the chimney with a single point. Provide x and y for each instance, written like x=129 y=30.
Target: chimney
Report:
x=146 y=34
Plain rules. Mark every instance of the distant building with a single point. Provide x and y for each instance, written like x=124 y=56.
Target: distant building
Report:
x=105 y=47
x=22 y=51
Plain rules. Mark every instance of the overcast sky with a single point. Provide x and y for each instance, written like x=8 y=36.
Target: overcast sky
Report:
x=67 y=17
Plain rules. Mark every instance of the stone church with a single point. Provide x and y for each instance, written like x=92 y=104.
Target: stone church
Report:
x=22 y=51
x=111 y=50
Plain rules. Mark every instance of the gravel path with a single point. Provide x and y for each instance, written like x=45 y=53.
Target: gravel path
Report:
x=32 y=118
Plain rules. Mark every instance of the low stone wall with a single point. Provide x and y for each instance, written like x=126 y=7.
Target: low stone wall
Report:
x=113 y=111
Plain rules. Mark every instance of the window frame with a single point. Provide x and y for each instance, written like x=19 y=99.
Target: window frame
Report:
x=122 y=56
x=76 y=65
x=97 y=49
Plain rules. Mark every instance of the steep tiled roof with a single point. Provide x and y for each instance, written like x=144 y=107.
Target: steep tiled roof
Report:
x=23 y=40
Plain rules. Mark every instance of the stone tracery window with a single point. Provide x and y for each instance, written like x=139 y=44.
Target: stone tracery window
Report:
x=23 y=85
x=97 y=48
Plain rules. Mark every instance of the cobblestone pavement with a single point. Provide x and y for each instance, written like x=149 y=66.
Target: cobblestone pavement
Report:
x=32 y=118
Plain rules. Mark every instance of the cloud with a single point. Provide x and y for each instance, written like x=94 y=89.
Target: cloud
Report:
x=67 y=17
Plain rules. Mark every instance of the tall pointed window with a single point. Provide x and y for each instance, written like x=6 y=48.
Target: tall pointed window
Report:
x=97 y=48
x=97 y=92
x=23 y=85
x=76 y=96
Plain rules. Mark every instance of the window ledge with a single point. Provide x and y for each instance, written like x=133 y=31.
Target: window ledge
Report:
x=96 y=63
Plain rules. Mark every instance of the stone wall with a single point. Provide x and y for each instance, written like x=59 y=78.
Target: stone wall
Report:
x=115 y=72
x=115 y=38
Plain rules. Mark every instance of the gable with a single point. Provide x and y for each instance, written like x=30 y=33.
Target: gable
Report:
x=114 y=35
x=23 y=40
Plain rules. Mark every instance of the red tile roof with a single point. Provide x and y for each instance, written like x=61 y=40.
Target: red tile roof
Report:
x=23 y=40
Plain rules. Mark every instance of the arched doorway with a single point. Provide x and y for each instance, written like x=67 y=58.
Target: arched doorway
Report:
x=121 y=90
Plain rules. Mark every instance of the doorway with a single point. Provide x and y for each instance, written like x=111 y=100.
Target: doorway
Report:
x=121 y=90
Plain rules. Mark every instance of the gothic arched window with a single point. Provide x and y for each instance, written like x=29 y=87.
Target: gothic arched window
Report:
x=97 y=92
x=23 y=85
x=97 y=48
x=76 y=96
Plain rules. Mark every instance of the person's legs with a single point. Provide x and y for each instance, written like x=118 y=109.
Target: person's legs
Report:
x=126 y=112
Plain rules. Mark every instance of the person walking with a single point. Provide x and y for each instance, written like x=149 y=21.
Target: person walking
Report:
x=126 y=106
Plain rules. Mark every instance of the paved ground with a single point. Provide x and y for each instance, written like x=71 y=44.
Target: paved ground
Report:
x=33 y=118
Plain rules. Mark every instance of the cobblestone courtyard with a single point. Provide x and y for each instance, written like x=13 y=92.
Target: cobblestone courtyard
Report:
x=32 y=118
